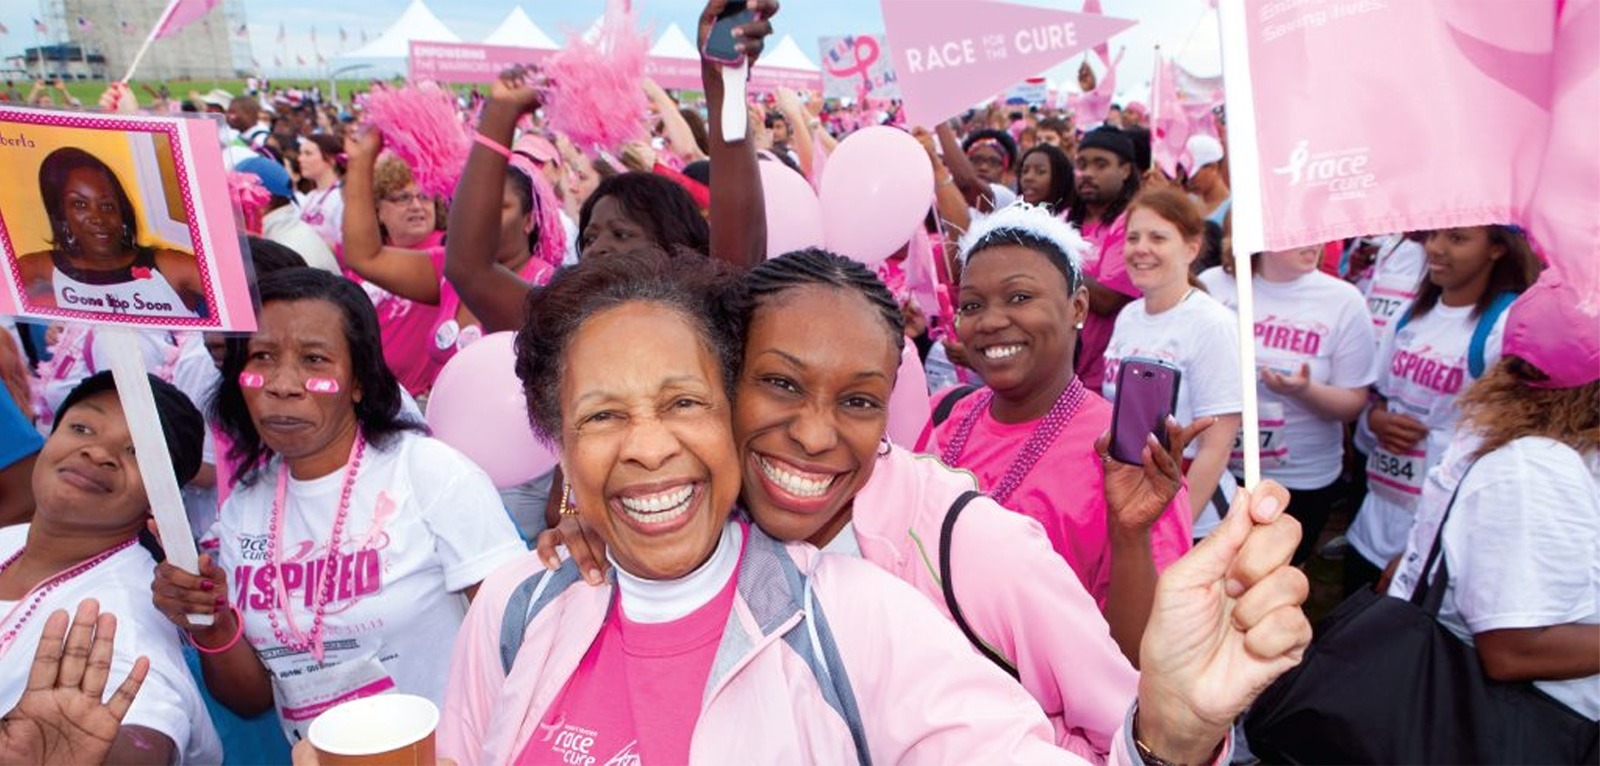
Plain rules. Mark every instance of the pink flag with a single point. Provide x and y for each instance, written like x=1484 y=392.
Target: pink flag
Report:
x=950 y=60
x=39 y=26
x=1103 y=50
x=1169 y=122
x=1563 y=215
x=179 y=14
x=1398 y=116
x=4 y=30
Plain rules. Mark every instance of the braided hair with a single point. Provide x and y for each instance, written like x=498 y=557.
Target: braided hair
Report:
x=815 y=266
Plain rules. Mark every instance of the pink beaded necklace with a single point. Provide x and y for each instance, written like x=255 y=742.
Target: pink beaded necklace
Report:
x=293 y=638
x=36 y=595
x=1044 y=435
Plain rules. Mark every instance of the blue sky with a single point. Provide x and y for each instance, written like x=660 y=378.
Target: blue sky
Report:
x=1177 y=25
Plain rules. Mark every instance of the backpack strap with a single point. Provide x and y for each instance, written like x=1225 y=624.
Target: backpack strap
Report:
x=941 y=413
x=1432 y=582
x=1480 y=334
x=948 y=584
x=532 y=595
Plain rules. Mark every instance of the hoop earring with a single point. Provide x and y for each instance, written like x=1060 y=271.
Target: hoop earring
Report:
x=884 y=447
x=568 y=508
x=71 y=243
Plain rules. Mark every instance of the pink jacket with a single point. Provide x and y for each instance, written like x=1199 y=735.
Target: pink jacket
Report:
x=1014 y=590
x=823 y=657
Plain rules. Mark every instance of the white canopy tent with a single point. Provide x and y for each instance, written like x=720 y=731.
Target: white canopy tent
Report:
x=787 y=55
x=417 y=23
x=674 y=44
x=519 y=31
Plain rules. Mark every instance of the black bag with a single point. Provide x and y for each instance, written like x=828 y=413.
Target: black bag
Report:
x=1384 y=682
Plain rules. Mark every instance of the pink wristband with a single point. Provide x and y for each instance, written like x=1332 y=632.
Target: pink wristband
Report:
x=483 y=140
x=238 y=633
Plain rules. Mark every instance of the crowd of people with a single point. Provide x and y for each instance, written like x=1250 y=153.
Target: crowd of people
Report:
x=733 y=560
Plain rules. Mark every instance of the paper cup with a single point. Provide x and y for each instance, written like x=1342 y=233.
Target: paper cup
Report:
x=383 y=729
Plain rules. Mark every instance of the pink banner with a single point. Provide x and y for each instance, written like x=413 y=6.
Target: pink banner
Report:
x=1365 y=117
x=468 y=62
x=162 y=190
x=971 y=49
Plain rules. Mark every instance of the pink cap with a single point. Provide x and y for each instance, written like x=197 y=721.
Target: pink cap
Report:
x=1557 y=330
x=1135 y=107
x=537 y=147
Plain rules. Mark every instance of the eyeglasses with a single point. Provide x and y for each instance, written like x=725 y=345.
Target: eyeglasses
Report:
x=406 y=198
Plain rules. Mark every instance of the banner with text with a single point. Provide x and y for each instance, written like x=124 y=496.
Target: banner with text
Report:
x=972 y=49
x=468 y=63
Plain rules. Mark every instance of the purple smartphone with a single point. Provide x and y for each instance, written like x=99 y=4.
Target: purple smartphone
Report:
x=719 y=44
x=1147 y=394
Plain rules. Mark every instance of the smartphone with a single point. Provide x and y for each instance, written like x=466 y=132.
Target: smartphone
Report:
x=1147 y=394
x=719 y=44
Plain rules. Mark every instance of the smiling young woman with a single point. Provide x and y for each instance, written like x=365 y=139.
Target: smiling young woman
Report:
x=83 y=543
x=1029 y=434
x=1178 y=323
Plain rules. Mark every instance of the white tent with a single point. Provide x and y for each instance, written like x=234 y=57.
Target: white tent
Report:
x=674 y=44
x=519 y=31
x=787 y=55
x=417 y=23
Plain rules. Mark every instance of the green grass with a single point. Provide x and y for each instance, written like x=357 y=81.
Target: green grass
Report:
x=89 y=91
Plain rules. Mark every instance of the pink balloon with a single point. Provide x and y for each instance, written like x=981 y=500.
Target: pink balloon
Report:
x=794 y=216
x=876 y=190
x=910 y=407
x=477 y=406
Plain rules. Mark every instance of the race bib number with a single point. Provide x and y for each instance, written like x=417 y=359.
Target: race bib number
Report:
x=1274 y=441
x=1397 y=477
x=306 y=691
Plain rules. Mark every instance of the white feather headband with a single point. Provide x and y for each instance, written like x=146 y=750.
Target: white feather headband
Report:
x=1034 y=221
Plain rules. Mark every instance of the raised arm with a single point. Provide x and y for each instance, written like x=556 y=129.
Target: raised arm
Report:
x=976 y=192
x=407 y=273
x=799 y=121
x=679 y=137
x=738 y=207
x=492 y=292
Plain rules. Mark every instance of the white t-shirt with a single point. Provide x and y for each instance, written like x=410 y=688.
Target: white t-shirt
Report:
x=1396 y=277
x=168 y=701
x=1221 y=286
x=80 y=354
x=1520 y=545
x=1313 y=319
x=1200 y=337
x=323 y=211
x=424 y=524
x=1423 y=370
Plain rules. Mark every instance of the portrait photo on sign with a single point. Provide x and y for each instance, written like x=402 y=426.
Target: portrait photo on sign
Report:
x=99 y=220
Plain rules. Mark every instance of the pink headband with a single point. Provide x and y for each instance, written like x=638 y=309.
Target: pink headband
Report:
x=1005 y=157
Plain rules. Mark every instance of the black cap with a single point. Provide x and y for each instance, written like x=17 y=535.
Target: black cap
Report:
x=1109 y=139
x=181 y=424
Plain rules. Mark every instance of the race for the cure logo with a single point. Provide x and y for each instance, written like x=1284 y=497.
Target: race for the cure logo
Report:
x=1427 y=368
x=1344 y=173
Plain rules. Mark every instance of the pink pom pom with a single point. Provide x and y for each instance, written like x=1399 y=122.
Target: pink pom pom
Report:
x=251 y=197
x=423 y=127
x=596 y=95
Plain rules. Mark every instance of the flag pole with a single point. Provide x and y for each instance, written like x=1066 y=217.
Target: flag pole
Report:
x=149 y=39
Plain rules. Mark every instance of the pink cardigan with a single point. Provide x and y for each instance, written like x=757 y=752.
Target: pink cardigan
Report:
x=1015 y=591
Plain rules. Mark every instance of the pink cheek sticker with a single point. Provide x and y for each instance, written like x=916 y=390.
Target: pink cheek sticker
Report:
x=322 y=385
x=252 y=380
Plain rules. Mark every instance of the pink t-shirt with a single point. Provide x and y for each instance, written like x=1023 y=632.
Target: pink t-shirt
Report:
x=448 y=335
x=1104 y=263
x=1065 y=490
x=407 y=327
x=635 y=697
